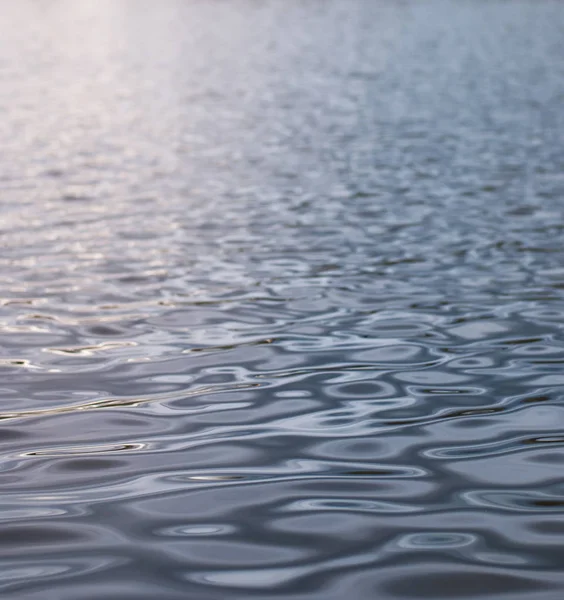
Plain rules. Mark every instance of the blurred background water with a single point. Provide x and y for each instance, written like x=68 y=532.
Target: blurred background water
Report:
x=282 y=299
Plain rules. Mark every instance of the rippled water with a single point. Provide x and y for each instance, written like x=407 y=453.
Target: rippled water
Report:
x=282 y=299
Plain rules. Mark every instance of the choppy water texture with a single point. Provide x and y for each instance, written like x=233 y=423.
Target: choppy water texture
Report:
x=282 y=299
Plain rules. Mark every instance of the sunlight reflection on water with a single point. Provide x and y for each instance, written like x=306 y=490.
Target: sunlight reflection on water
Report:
x=282 y=299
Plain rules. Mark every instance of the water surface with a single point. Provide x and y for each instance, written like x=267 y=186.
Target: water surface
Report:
x=282 y=299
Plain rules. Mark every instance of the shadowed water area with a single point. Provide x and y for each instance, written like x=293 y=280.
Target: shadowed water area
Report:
x=281 y=299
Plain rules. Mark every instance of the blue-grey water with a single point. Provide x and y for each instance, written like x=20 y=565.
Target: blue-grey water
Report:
x=282 y=299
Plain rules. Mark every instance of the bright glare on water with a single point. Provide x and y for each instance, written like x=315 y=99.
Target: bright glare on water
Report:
x=282 y=299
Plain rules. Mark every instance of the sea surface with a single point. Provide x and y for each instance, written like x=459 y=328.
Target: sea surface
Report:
x=281 y=299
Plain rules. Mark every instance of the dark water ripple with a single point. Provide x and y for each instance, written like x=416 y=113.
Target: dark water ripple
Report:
x=282 y=299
